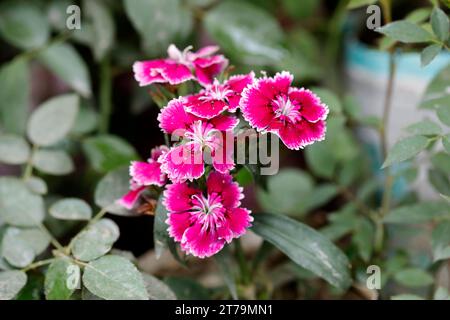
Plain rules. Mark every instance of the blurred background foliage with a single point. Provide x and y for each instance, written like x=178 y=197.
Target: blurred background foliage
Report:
x=328 y=185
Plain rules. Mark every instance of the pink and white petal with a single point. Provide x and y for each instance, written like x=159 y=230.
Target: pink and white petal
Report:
x=184 y=162
x=200 y=243
x=228 y=189
x=239 y=220
x=157 y=152
x=204 y=108
x=147 y=173
x=312 y=109
x=177 y=197
x=173 y=117
x=178 y=223
x=148 y=72
x=206 y=51
x=303 y=133
x=239 y=82
x=282 y=81
x=224 y=122
x=129 y=199
x=222 y=155
x=207 y=69
x=256 y=108
x=176 y=73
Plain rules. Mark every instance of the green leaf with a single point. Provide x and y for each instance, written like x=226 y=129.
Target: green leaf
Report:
x=95 y=241
x=441 y=161
x=14 y=96
x=18 y=205
x=71 y=209
x=156 y=289
x=440 y=24
x=364 y=238
x=55 y=162
x=286 y=191
x=306 y=247
x=11 y=282
x=418 y=15
x=244 y=176
x=251 y=35
x=405 y=149
x=63 y=60
x=108 y=152
x=103 y=27
x=35 y=238
x=15 y=250
x=413 y=277
x=425 y=128
x=23 y=24
x=420 y=212
x=36 y=185
x=436 y=94
x=53 y=120
x=321 y=160
x=86 y=121
x=440 y=241
x=429 y=53
x=405 y=31
x=159 y=23
x=13 y=149
x=224 y=263
x=446 y=143
x=114 y=278
x=353 y=4
x=56 y=280
x=443 y=114
x=439 y=180
x=111 y=188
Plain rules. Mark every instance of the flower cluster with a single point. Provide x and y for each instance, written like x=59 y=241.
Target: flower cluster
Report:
x=202 y=200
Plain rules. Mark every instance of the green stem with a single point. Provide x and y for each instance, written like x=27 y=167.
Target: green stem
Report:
x=105 y=94
x=97 y=217
x=29 y=166
x=38 y=264
x=53 y=240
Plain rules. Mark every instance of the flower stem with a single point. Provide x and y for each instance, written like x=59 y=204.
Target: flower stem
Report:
x=38 y=264
x=29 y=166
x=105 y=94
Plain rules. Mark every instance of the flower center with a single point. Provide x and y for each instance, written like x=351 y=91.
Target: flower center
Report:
x=216 y=92
x=285 y=109
x=202 y=133
x=208 y=211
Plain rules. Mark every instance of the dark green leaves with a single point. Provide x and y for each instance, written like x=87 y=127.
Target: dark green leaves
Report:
x=53 y=120
x=420 y=212
x=305 y=246
x=425 y=128
x=440 y=24
x=429 y=53
x=440 y=241
x=413 y=277
x=114 y=278
x=250 y=34
x=11 y=282
x=405 y=31
x=71 y=209
x=436 y=94
x=56 y=280
x=405 y=149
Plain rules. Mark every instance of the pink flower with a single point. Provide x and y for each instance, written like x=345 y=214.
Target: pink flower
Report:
x=180 y=65
x=201 y=137
x=204 y=221
x=217 y=97
x=297 y=116
x=144 y=174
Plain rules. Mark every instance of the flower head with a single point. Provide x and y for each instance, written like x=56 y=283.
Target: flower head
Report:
x=144 y=174
x=204 y=221
x=200 y=137
x=296 y=115
x=218 y=97
x=181 y=66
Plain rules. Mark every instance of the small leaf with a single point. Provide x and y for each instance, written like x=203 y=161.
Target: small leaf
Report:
x=429 y=53
x=15 y=250
x=18 y=205
x=34 y=238
x=23 y=24
x=440 y=24
x=418 y=213
x=446 y=143
x=71 y=209
x=14 y=96
x=95 y=241
x=440 y=241
x=36 y=185
x=425 y=128
x=413 y=277
x=405 y=149
x=63 y=60
x=441 y=161
x=443 y=114
x=305 y=246
x=114 y=278
x=156 y=289
x=108 y=152
x=111 y=188
x=364 y=238
x=86 y=121
x=56 y=280
x=11 y=282
x=54 y=162
x=436 y=94
x=405 y=31
x=53 y=120
x=13 y=149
